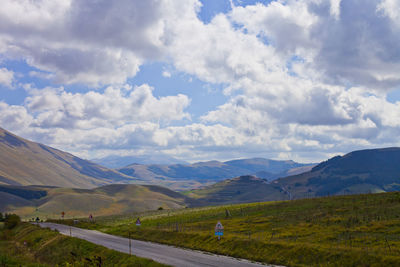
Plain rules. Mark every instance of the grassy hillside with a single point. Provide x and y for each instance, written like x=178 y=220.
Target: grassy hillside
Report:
x=23 y=162
x=243 y=189
x=49 y=202
x=358 y=230
x=48 y=248
x=364 y=171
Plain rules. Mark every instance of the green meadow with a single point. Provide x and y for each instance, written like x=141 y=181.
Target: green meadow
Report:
x=357 y=230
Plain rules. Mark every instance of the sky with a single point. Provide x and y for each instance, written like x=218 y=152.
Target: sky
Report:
x=202 y=80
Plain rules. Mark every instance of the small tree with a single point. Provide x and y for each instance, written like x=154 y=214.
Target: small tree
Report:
x=1 y=217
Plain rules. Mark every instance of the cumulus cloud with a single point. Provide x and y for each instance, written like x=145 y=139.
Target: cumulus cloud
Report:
x=91 y=42
x=118 y=118
x=310 y=74
x=390 y=8
x=54 y=107
x=105 y=42
x=349 y=42
x=14 y=118
x=300 y=76
x=6 y=77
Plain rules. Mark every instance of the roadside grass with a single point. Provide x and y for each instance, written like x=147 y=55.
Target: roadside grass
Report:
x=357 y=230
x=30 y=245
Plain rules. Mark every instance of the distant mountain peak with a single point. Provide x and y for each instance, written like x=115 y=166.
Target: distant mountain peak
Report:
x=208 y=163
x=117 y=161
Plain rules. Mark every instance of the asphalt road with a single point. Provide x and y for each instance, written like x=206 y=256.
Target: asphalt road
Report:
x=161 y=253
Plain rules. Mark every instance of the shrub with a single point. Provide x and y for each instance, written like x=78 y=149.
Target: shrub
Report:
x=11 y=221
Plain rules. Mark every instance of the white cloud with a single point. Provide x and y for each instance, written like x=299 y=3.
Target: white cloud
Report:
x=115 y=107
x=14 y=118
x=166 y=74
x=218 y=53
x=286 y=26
x=92 y=42
x=301 y=76
x=106 y=42
x=358 y=48
x=6 y=77
x=311 y=75
x=390 y=8
x=335 y=8
x=199 y=135
x=41 y=75
x=118 y=118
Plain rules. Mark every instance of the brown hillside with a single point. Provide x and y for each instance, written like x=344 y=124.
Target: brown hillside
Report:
x=23 y=162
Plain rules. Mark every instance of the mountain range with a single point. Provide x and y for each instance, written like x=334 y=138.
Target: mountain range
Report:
x=116 y=161
x=35 y=178
x=23 y=162
x=188 y=176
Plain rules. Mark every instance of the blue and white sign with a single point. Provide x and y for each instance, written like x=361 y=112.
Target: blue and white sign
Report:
x=219 y=230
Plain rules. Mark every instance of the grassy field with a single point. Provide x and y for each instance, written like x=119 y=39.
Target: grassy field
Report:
x=49 y=202
x=358 y=230
x=30 y=245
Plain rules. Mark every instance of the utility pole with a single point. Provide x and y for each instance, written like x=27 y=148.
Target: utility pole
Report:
x=130 y=245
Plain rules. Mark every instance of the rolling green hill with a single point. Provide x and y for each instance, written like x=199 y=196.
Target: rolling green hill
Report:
x=49 y=202
x=364 y=171
x=23 y=162
x=356 y=230
x=243 y=189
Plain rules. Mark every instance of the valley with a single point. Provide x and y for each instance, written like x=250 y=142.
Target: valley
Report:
x=42 y=181
x=190 y=176
x=340 y=212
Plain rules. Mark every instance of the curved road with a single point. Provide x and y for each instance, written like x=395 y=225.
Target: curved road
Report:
x=161 y=253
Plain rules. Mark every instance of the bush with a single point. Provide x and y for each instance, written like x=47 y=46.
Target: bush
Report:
x=11 y=221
